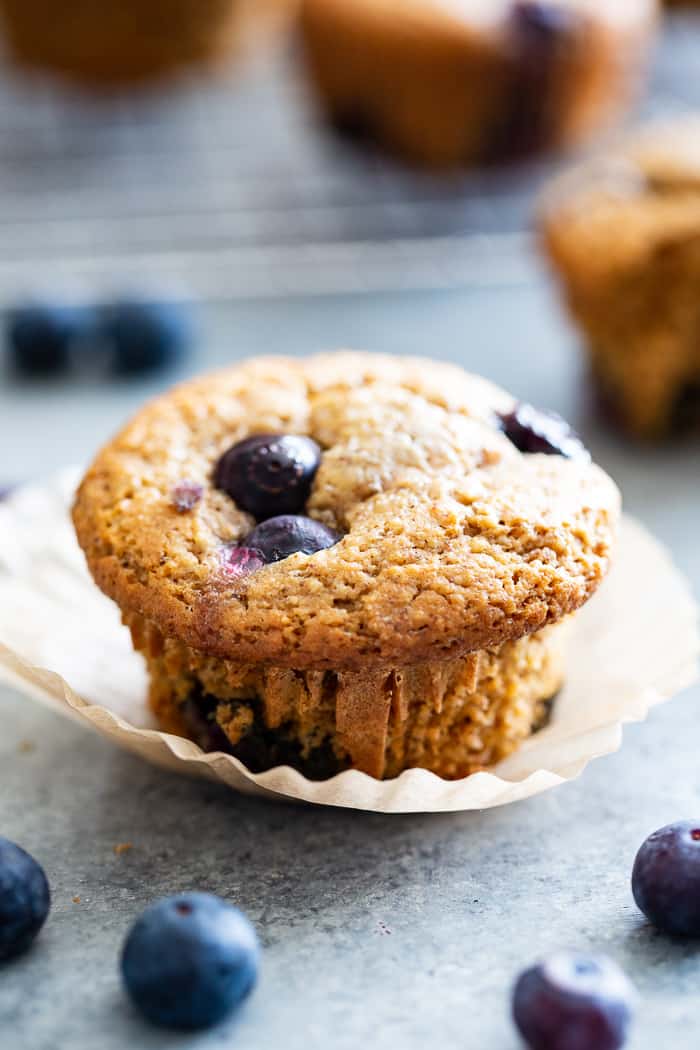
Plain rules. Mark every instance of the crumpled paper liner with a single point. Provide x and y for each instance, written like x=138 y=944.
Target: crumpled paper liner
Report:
x=635 y=644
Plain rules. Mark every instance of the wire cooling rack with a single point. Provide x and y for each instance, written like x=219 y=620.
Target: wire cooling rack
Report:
x=231 y=189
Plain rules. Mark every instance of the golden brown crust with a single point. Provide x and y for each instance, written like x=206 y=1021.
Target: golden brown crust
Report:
x=448 y=83
x=454 y=541
x=117 y=41
x=623 y=234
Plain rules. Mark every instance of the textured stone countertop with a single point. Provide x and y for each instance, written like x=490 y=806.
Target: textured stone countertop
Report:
x=385 y=932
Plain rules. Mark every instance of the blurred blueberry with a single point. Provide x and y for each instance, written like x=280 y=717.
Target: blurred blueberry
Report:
x=40 y=336
x=25 y=899
x=190 y=960
x=571 y=1001
x=145 y=336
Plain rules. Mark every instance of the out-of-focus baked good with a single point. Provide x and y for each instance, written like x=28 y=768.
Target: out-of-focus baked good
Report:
x=453 y=82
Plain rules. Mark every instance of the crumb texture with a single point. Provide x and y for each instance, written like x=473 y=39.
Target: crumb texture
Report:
x=454 y=717
x=454 y=541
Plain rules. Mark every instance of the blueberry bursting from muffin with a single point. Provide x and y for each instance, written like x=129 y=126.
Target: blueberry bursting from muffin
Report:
x=270 y=476
x=377 y=575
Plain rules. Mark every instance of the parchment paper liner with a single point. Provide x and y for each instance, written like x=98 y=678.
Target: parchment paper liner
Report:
x=635 y=645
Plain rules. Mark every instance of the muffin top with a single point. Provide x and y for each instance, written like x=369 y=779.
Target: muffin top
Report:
x=442 y=531
x=647 y=191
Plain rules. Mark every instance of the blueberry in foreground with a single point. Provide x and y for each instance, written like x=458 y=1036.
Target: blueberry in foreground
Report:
x=269 y=474
x=190 y=960
x=532 y=430
x=666 y=878
x=25 y=899
x=146 y=336
x=574 y=1002
x=288 y=534
x=40 y=337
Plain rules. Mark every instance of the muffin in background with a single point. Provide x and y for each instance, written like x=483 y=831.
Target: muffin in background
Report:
x=348 y=561
x=623 y=235
x=123 y=41
x=447 y=83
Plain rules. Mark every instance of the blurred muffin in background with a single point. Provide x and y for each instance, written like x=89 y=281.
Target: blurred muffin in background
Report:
x=623 y=234
x=121 y=41
x=454 y=82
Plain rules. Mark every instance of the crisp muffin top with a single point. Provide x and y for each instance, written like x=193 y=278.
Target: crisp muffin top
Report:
x=451 y=538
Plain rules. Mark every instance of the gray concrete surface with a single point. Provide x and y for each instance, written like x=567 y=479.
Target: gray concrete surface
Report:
x=391 y=933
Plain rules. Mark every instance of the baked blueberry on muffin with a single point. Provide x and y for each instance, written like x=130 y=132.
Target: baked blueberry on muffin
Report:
x=117 y=41
x=348 y=561
x=453 y=82
x=623 y=234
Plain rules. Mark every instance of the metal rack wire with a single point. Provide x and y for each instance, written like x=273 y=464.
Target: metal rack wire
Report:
x=231 y=189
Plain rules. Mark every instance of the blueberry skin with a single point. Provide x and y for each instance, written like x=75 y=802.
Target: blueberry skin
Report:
x=544 y=24
x=25 y=899
x=190 y=960
x=146 y=336
x=238 y=561
x=532 y=430
x=666 y=878
x=574 y=1002
x=269 y=474
x=40 y=337
x=278 y=538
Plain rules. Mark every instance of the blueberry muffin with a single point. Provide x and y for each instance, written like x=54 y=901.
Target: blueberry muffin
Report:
x=453 y=82
x=131 y=40
x=623 y=234
x=348 y=561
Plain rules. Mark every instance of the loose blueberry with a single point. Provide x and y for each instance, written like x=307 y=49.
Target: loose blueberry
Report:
x=190 y=960
x=40 y=337
x=278 y=538
x=531 y=430
x=146 y=336
x=186 y=495
x=5 y=491
x=666 y=878
x=241 y=561
x=269 y=474
x=25 y=899
x=574 y=1002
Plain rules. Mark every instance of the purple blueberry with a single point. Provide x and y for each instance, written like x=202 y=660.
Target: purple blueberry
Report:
x=241 y=561
x=574 y=1002
x=190 y=960
x=25 y=899
x=40 y=337
x=543 y=25
x=186 y=495
x=145 y=336
x=666 y=878
x=532 y=430
x=278 y=538
x=269 y=474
